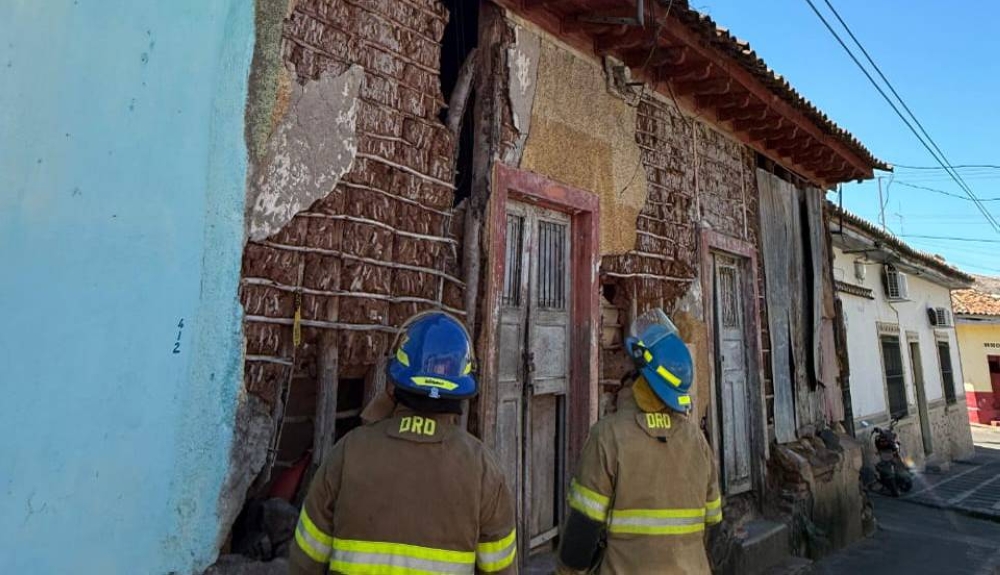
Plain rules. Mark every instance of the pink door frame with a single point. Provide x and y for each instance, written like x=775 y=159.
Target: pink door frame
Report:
x=711 y=242
x=583 y=207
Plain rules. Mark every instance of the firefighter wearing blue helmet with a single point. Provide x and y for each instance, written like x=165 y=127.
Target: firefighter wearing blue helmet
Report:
x=412 y=492
x=647 y=487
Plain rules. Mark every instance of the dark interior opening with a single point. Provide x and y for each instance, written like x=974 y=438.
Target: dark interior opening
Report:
x=461 y=36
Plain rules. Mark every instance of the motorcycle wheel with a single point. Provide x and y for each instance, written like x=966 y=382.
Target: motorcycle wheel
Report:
x=905 y=484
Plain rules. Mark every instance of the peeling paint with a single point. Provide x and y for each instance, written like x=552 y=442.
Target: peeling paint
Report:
x=312 y=147
x=522 y=64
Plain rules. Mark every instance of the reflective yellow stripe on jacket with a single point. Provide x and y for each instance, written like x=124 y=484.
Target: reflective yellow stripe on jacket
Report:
x=493 y=556
x=377 y=558
x=657 y=521
x=589 y=502
x=713 y=511
x=312 y=540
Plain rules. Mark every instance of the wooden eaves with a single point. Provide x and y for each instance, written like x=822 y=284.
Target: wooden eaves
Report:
x=684 y=55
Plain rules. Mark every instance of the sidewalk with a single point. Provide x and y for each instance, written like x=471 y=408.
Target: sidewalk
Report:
x=971 y=486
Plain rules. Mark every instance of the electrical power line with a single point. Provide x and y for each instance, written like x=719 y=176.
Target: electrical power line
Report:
x=932 y=148
x=957 y=167
x=950 y=238
x=942 y=192
x=943 y=159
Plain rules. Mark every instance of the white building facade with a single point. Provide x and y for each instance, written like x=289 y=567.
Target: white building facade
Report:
x=901 y=343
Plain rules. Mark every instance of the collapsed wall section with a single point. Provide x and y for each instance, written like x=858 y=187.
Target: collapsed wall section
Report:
x=375 y=241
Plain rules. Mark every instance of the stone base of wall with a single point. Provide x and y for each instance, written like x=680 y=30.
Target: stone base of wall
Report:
x=815 y=484
x=952 y=435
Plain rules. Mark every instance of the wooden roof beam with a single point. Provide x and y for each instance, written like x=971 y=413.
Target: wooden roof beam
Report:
x=732 y=99
x=709 y=87
x=689 y=71
x=773 y=133
x=638 y=39
x=756 y=112
x=679 y=32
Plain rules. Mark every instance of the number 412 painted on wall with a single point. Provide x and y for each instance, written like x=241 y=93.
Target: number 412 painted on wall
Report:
x=180 y=329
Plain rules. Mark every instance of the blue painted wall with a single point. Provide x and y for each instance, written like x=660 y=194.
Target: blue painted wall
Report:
x=122 y=178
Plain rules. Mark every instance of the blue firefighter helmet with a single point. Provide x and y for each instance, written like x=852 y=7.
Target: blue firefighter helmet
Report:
x=434 y=358
x=662 y=358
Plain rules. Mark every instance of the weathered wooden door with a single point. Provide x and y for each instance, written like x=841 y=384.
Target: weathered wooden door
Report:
x=731 y=375
x=917 y=368
x=534 y=365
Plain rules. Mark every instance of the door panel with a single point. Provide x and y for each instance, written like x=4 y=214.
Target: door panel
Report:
x=510 y=365
x=732 y=375
x=534 y=365
x=917 y=367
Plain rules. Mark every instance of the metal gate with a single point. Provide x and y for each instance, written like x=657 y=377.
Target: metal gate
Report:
x=533 y=368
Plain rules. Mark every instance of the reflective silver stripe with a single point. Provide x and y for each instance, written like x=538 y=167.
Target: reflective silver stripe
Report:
x=361 y=562
x=496 y=560
x=321 y=549
x=655 y=521
x=588 y=503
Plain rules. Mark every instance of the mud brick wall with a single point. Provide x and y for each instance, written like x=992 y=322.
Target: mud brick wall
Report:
x=384 y=244
x=665 y=259
x=694 y=174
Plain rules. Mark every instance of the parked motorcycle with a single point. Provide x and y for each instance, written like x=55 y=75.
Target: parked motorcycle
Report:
x=893 y=474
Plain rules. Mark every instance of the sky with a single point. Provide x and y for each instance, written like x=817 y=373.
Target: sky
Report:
x=939 y=57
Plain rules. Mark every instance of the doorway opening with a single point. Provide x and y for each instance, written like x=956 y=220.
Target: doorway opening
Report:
x=732 y=374
x=540 y=361
x=916 y=365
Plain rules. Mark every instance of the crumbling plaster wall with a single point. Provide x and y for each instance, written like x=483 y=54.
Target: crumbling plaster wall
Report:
x=584 y=136
x=350 y=219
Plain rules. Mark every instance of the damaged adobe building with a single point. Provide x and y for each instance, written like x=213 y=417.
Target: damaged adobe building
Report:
x=545 y=172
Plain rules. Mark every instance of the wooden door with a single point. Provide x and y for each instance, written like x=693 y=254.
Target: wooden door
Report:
x=917 y=367
x=534 y=366
x=731 y=375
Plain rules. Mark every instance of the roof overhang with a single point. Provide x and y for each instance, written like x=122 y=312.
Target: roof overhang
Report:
x=684 y=55
x=852 y=240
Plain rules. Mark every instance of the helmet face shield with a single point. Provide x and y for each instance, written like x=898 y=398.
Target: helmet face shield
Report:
x=651 y=327
x=662 y=357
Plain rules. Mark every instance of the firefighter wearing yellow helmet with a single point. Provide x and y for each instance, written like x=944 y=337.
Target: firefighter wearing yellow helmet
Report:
x=413 y=492
x=647 y=486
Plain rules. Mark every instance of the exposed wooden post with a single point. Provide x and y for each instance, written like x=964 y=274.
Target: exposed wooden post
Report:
x=325 y=422
x=460 y=95
x=489 y=63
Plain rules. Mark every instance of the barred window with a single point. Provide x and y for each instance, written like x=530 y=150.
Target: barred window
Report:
x=947 y=377
x=892 y=363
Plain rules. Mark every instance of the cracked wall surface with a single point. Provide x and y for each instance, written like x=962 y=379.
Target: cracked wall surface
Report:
x=584 y=136
x=312 y=148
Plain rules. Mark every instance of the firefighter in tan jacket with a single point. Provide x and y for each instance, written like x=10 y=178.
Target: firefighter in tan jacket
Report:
x=412 y=493
x=647 y=485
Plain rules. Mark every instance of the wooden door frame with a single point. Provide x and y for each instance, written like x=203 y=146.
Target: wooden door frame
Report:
x=583 y=209
x=710 y=243
x=920 y=392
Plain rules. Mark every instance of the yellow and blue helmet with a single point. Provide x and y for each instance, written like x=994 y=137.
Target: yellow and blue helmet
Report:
x=434 y=358
x=662 y=358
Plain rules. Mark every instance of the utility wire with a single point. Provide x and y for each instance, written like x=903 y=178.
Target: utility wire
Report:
x=952 y=239
x=944 y=193
x=942 y=160
x=957 y=167
x=945 y=163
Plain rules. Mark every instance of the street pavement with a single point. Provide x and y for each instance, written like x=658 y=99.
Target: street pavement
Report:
x=971 y=486
x=950 y=523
